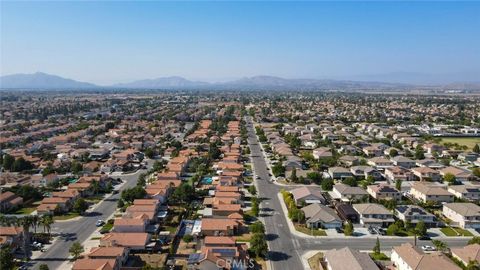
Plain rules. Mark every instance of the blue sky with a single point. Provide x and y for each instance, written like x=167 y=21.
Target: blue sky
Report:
x=109 y=42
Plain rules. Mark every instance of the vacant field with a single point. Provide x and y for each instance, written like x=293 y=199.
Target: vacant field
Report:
x=467 y=141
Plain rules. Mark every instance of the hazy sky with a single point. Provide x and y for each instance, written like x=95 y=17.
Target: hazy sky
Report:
x=109 y=42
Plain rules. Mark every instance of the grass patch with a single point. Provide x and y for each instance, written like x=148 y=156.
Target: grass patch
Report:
x=95 y=238
x=171 y=229
x=314 y=261
x=261 y=262
x=305 y=230
x=107 y=226
x=450 y=231
x=467 y=141
x=66 y=216
x=25 y=211
x=379 y=256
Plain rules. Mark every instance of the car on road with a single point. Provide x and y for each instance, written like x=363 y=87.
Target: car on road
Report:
x=424 y=237
x=428 y=248
x=258 y=177
x=100 y=223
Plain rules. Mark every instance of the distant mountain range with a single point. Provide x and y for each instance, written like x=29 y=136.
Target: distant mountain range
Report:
x=42 y=81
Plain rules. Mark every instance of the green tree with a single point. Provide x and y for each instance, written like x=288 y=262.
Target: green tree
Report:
x=376 y=248
x=449 y=178
x=257 y=227
x=393 y=153
x=398 y=185
x=278 y=169
x=76 y=250
x=316 y=177
x=350 y=181
x=327 y=184
x=421 y=228
x=184 y=193
x=258 y=245
x=8 y=161
x=348 y=229
x=6 y=259
x=76 y=167
x=80 y=206
x=476 y=148
x=149 y=153
x=473 y=265
x=21 y=165
x=393 y=229
x=158 y=166
x=293 y=176
x=441 y=246
x=419 y=154
x=474 y=240
x=253 y=190
x=476 y=172
x=43 y=267
x=255 y=207
x=130 y=194
x=187 y=238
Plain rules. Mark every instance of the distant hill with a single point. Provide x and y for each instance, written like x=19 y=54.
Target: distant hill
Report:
x=162 y=83
x=45 y=81
x=41 y=80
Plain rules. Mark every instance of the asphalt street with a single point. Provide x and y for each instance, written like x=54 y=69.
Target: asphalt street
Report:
x=81 y=229
x=286 y=249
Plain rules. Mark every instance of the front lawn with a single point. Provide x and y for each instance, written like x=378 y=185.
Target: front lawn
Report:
x=314 y=232
x=450 y=231
x=66 y=216
x=25 y=211
x=379 y=256
x=107 y=227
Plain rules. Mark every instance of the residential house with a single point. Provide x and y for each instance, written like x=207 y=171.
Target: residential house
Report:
x=399 y=173
x=339 y=172
x=9 y=201
x=219 y=227
x=426 y=174
x=408 y=257
x=347 y=213
x=372 y=214
x=466 y=254
x=464 y=215
x=415 y=214
x=120 y=254
x=11 y=236
x=95 y=264
x=384 y=192
x=404 y=162
x=128 y=225
x=459 y=173
x=430 y=193
x=348 y=259
x=467 y=192
x=349 y=160
x=348 y=193
x=134 y=241
x=322 y=152
x=380 y=163
x=430 y=163
x=308 y=195
x=365 y=172
x=321 y=216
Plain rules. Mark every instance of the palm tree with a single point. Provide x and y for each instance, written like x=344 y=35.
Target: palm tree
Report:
x=47 y=221
x=35 y=222
x=26 y=223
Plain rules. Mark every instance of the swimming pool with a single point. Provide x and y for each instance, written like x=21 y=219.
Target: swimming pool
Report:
x=207 y=180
